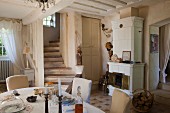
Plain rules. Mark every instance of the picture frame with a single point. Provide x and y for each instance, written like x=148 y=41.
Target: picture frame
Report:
x=154 y=43
x=126 y=56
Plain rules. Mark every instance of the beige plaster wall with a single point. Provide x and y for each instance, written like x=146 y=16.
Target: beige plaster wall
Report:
x=130 y=11
x=152 y=15
x=63 y=37
x=105 y=56
x=71 y=40
x=154 y=64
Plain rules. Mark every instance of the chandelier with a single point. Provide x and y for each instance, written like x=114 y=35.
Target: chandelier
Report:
x=43 y=3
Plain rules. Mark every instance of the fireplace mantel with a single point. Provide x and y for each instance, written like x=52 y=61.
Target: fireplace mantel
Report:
x=134 y=71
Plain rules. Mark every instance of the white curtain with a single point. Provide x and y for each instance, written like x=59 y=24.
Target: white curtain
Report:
x=164 y=49
x=11 y=36
x=36 y=35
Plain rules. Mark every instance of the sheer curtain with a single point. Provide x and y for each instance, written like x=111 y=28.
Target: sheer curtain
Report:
x=164 y=50
x=11 y=36
x=36 y=33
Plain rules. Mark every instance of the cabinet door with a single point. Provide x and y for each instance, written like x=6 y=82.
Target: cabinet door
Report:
x=91 y=48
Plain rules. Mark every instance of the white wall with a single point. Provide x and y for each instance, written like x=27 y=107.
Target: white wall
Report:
x=156 y=14
x=154 y=64
x=105 y=56
x=71 y=40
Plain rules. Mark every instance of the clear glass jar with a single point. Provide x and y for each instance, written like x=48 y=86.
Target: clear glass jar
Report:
x=79 y=101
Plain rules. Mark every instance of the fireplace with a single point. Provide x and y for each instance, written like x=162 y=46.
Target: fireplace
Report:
x=119 y=80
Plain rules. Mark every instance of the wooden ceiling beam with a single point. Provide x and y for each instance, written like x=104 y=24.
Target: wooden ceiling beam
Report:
x=103 y=2
x=82 y=11
x=91 y=6
x=88 y=2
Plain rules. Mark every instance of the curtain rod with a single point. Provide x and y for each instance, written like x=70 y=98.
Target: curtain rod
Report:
x=11 y=19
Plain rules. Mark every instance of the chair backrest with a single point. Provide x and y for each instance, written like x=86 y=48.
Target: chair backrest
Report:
x=16 y=82
x=85 y=88
x=120 y=102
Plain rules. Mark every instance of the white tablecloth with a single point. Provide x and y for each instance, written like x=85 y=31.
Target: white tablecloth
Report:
x=39 y=105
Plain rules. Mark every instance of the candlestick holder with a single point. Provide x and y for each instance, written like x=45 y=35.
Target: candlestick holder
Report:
x=46 y=103
x=60 y=103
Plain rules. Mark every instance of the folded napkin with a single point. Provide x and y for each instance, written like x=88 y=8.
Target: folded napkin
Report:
x=68 y=102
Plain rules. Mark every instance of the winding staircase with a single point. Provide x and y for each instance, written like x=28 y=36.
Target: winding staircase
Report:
x=54 y=66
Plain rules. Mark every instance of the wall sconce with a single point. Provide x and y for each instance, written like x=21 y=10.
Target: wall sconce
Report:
x=106 y=31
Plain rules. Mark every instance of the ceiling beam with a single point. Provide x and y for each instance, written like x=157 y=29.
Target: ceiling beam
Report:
x=119 y=1
x=99 y=5
x=37 y=14
x=91 y=6
x=104 y=3
x=83 y=10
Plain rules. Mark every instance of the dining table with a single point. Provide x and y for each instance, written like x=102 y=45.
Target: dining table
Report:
x=39 y=105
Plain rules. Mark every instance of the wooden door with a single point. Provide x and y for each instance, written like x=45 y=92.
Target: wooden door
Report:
x=91 y=57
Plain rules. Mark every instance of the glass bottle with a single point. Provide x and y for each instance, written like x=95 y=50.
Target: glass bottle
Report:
x=79 y=101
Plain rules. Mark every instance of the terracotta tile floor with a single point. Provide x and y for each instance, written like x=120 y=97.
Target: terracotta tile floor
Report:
x=101 y=101
x=161 y=101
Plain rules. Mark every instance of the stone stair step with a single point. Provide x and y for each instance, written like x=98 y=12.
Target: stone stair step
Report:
x=51 y=49
x=60 y=75
x=54 y=41
x=55 y=79
x=54 y=64
x=60 y=59
x=59 y=71
x=165 y=86
x=52 y=54
x=162 y=96
x=58 y=56
x=56 y=75
x=57 y=44
x=54 y=68
x=51 y=46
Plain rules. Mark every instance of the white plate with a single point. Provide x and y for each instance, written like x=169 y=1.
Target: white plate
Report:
x=12 y=108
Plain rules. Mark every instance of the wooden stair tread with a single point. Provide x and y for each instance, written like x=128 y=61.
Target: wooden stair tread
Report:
x=59 y=75
x=58 y=56
x=55 y=41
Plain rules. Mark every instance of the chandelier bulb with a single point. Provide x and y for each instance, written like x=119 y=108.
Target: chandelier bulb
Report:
x=44 y=3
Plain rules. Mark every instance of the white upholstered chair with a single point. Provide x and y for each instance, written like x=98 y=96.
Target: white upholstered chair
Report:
x=120 y=102
x=85 y=88
x=16 y=82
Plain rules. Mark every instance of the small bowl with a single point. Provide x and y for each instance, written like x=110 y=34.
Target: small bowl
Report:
x=32 y=98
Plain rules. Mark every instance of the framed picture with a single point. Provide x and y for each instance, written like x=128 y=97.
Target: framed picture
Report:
x=126 y=56
x=154 y=43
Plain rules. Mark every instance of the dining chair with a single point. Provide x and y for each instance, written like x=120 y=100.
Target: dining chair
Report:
x=85 y=88
x=16 y=82
x=120 y=102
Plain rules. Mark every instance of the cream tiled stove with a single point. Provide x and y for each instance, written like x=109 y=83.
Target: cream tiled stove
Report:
x=127 y=36
x=132 y=76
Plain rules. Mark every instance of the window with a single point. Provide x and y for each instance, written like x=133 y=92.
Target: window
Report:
x=49 y=21
x=2 y=48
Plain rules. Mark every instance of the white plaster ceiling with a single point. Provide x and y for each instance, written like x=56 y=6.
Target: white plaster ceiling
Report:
x=15 y=8
x=99 y=7
x=107 y=7
x=29 y=12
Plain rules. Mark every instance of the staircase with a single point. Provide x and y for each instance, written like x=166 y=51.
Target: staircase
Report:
x=54 y=66
x=165 y=86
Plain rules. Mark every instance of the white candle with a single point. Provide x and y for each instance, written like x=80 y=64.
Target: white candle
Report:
x=46 y=90
x=59 y=87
